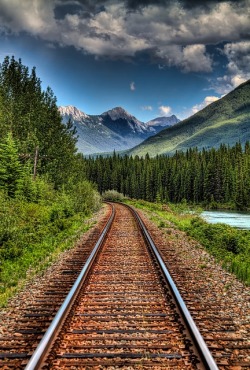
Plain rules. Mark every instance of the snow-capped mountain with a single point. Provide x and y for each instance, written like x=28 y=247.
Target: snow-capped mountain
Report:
x=73 y=112
x=115 y=129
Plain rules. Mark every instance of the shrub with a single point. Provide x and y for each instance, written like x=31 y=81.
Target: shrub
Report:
x=113 y=196
x=86 y=199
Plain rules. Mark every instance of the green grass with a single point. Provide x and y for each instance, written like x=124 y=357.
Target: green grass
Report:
x=32 y=236
x=37 y=257
x=230 y=246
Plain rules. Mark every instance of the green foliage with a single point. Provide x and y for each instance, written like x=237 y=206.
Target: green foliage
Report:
x=211 y=177
x=230 y=246
x=113 y=196
x=31 y=232
x=227 y=244
x=86 y=197
x=11 y=171
x=44 y=195
x=227 y=238
x=35 y=122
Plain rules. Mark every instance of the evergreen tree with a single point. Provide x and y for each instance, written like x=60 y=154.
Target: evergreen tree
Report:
x=34 y=120
x=11 y=171
x=221 y=175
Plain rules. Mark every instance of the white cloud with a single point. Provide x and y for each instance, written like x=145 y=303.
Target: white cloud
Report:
x=191 y=58
x=238 y=67
x=147 y=107
x=164 y=110
x=195 y=59
x=208 y=100
x=30 y=16
x=132 y=86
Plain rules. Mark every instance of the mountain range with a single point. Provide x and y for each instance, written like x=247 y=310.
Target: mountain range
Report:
x=225 y=121
x=115 y=129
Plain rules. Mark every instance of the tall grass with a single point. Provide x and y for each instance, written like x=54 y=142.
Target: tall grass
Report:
x=32 y=234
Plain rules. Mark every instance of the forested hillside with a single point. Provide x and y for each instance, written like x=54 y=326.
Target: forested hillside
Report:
x=44 y=196
x=225 y=121
x=209 y=177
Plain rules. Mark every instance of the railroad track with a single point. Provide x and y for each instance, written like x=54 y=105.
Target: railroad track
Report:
x=123 y=314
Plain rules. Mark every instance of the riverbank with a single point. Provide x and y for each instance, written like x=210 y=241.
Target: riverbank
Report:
x=228 y=245
x=238 y=219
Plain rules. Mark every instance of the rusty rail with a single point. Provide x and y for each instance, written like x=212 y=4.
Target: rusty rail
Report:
x=193 y=330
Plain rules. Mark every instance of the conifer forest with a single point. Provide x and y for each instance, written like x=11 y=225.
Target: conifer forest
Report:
x=208 y=177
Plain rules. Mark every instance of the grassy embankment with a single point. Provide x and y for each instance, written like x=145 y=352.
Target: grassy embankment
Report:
x=32 y=235
x=230 y=246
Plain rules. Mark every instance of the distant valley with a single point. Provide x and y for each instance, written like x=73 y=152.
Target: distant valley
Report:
x=115 y=129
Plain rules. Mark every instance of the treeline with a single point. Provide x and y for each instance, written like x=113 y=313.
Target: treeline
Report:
x=44 y=194
x=37 y=150
x=207 y=176
x=30 y=115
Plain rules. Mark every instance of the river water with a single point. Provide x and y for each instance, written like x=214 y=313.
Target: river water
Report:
x=241 y=220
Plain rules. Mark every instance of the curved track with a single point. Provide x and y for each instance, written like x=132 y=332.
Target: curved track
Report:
x=124 y=313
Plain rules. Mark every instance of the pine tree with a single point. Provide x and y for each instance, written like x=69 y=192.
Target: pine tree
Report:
x=11 y=171
x=34 y=120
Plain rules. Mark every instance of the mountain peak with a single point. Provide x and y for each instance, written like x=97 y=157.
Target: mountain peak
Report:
x=73 y=112
x=163 y=121
x=115 y=129
x=116 y=113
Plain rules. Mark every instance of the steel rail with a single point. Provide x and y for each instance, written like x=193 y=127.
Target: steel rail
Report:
x=42 y=348
x=201 y=346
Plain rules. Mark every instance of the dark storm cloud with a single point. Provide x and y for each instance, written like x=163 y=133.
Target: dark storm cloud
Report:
x=84 y=7
x=175 y=33
x=63 y=9
x=188 y=4
x=88 y=6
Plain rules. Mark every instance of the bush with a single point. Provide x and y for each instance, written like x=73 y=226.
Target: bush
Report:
x=227 y=244
x=31 y=231
x=86 y=199
x=113 y=196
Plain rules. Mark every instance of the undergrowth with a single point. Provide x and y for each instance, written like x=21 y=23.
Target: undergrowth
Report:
x=33 y=234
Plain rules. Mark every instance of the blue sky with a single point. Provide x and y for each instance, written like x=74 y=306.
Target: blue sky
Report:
x=153 y=58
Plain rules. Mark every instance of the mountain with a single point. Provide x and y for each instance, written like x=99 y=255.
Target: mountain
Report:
x=227 y=121
x=161 y=122
x=115 y=129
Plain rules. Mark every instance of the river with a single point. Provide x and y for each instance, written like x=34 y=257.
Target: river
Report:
x=241 y=220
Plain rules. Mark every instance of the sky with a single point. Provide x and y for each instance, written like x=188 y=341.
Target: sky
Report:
x=151 y=57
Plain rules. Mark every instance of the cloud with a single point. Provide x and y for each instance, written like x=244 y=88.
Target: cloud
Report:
x=195 y=59
x=187 y=4
x=174 y=33
x=147 y=107
x=132 y=86
x=238 y=67
x=164 y=110
x=208 y=100
x=30 y=16
x=135 y=4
